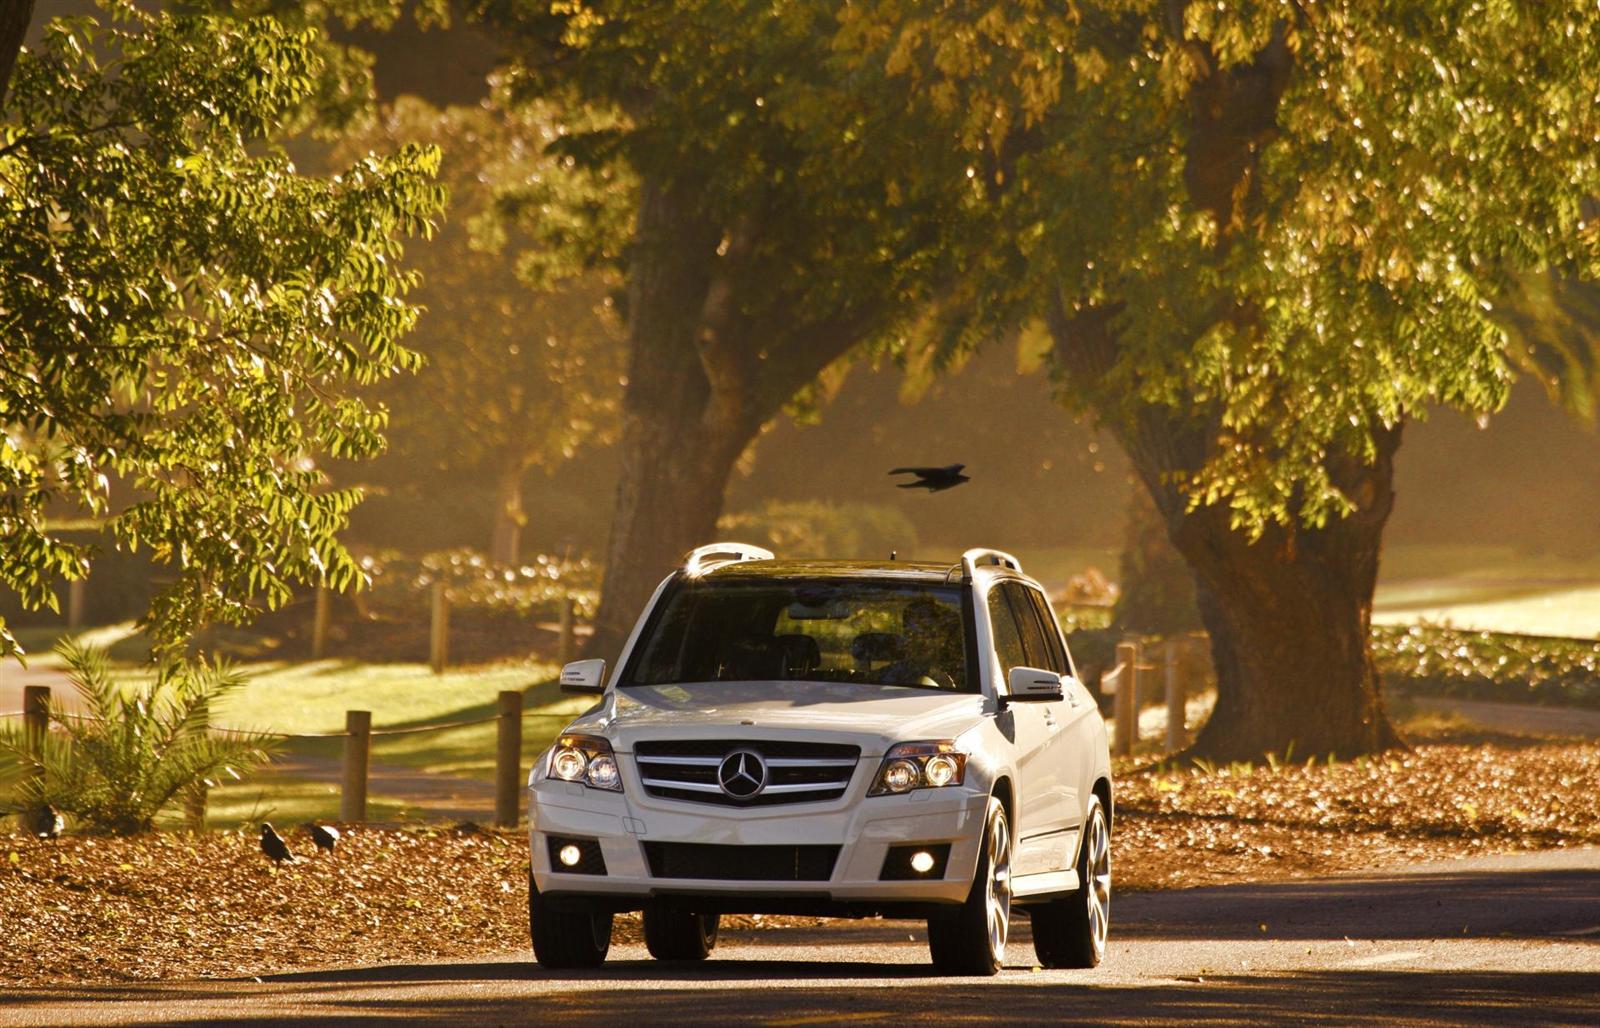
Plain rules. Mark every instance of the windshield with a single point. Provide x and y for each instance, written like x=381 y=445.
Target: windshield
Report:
x=817 y=630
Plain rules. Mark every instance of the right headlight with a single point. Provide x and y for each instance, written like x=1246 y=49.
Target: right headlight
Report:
x=587 y=760
x=919 y=765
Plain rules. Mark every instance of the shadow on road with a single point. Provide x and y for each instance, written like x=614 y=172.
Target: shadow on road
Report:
x=1413 y=906
x=1545 y=998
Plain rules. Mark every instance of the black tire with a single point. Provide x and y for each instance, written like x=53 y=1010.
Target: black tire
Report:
x=1071 y=932
x=565 y=939
x=684 y=935
x=972 y=940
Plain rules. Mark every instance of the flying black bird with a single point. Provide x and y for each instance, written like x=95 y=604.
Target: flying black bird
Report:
x=46 y=823
x=273 y=845
x=325 y=836
x=933 y=479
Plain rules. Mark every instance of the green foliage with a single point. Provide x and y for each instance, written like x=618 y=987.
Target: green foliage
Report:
x=401 y=584
x=795 y=182
x=1435 y=661
x=813 y=528
x=524 y=351
x=1283 y=227
x=134 y=751
x=187 y=316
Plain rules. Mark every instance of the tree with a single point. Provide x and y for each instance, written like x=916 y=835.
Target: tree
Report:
x=772 y=236
x=520 y=374
x=183 y=312
x=1262 y=236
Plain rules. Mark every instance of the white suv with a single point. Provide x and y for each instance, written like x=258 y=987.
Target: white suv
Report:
x=829 y=738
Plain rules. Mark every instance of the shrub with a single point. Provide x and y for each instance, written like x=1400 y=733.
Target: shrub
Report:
x=134 y=751
x=1439 y=661
x=817 y=529
x=400 y=583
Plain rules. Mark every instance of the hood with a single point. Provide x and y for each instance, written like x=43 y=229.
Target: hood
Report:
x=873 y=717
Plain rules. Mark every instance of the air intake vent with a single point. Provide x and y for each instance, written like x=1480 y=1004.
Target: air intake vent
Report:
x=741 y=863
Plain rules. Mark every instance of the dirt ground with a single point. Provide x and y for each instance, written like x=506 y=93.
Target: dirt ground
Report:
x=164 y=906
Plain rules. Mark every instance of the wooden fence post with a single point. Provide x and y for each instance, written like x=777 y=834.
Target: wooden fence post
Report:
x=319 y=623
x=75 y=604
x=1127 y=706
x=35 y=722
x=1175 y=698
x=357 y=750
x=439 y=634
x=195 y=803
x=508 y=760
x=568 y=629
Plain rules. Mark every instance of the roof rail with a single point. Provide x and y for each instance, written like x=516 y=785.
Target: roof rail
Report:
x=703 y=558
x=983 y=555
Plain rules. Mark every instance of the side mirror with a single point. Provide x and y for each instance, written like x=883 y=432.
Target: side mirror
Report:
x=584 y=676
x=1033 y=685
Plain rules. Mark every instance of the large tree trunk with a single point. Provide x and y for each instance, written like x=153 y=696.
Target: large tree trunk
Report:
x=505 y=546
x=676 y=452
x=1289 y=616
x=15 y=17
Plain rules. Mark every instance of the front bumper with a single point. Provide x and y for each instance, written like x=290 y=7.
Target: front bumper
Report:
x=864 y=828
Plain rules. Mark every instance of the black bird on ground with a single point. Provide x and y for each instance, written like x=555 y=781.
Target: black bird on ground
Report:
x=325 y=836
x=933 y=479
x=46 y=822
x=272 y=845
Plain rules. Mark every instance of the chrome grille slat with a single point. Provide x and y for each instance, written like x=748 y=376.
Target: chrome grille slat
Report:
x=797 y=772
x=694 y=761
x=658 y=783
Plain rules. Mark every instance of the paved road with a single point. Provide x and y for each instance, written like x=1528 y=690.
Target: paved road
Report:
x=1516 y=718
x=1504 y=940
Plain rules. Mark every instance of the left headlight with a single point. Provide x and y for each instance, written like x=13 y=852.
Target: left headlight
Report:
x=919 y=765
x=587 y=760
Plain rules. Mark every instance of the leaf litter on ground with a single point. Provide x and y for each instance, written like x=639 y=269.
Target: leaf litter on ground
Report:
x=170 y=906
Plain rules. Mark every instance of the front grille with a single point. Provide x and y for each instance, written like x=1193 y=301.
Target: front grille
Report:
x=797 y=772
x=741 y=863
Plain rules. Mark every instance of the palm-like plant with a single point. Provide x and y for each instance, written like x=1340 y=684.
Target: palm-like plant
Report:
x=134 y=752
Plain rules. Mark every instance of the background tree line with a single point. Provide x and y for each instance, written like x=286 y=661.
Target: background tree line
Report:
x=1251 y=245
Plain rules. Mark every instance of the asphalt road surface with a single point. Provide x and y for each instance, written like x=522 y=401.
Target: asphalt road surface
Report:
x=1508 y=940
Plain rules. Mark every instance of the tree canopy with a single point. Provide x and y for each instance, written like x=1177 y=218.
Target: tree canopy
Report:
x=1289 y=216
x=184 y=314
x=1259 y=237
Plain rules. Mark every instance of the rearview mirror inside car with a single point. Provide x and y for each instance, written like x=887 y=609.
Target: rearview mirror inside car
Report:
x=1033 y=685
x=584 y=676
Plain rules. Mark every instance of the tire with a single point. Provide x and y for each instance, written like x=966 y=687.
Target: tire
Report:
x=566 y=939
x=680 y=935
x=1071 y=932
x=972 y=941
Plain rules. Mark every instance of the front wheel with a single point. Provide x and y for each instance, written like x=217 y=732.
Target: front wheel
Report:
x=679 y=934
x=1072 y=932
x=972 y=941
x=564 y=939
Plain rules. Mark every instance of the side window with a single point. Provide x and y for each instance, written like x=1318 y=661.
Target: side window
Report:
x=1007 y=641
x=1033 y=644
x=1052 y=637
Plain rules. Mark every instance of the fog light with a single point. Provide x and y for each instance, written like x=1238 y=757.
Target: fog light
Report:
x=922 y=862
x=570 y=855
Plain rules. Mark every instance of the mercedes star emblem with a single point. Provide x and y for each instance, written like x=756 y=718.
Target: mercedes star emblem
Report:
x=742 y=774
